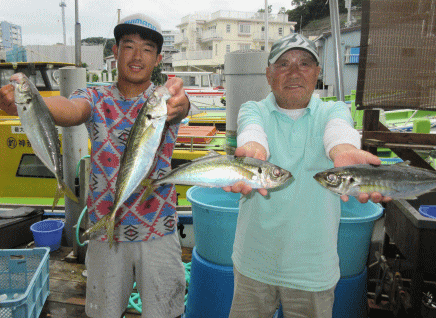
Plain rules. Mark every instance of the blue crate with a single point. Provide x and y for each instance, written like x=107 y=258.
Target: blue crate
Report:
x=24 y=280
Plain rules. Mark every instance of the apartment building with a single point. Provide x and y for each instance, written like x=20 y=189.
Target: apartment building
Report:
x=10 y=35
x=205 y=39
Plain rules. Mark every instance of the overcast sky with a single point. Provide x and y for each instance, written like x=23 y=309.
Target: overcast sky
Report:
x=41 y=20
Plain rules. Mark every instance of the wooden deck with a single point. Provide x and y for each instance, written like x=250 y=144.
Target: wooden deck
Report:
x=68 y=287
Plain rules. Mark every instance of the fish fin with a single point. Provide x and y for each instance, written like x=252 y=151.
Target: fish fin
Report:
x=411 y=198
x=403 y=163
x=67 y=191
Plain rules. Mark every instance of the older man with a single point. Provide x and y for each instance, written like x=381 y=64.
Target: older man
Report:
x=285 y=247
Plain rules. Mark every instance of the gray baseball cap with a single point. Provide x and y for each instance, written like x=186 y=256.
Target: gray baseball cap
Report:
x=148 y=27
x=289 y=42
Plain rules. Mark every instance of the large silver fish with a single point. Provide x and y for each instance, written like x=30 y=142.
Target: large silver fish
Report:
x=398 y=181
x=138 y=156
x=215 y=170
x=39 y=126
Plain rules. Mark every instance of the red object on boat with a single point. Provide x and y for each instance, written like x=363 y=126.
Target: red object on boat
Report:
x=200 y=133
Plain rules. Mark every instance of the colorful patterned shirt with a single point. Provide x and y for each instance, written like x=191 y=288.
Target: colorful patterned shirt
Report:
x=111 y=119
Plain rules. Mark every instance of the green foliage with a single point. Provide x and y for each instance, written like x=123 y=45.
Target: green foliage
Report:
x=309 y=10
x=157 y=77
x=107 y=43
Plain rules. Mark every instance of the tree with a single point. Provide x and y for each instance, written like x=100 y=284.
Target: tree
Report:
x=157 y=77
x=306 y=11
x=263 y=10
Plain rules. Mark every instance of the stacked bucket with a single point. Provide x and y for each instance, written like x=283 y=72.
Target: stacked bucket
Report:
x=214 y=214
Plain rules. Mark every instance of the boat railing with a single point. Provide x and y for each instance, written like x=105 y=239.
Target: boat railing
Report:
x=201 y=146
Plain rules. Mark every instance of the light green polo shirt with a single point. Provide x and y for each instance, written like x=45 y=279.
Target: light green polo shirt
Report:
x=290 y=237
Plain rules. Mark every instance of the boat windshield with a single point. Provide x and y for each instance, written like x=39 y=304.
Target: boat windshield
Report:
x=47 y=81
x=199 y=81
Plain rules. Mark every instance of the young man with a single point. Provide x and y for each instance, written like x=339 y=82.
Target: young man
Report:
x=147 y=249
x=285 y=247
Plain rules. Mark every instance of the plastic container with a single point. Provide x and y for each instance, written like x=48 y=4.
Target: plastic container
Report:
x=210 y=291
x=214 y=214
x=355 y=232
x=24 y=279
x=48 y=233
x=428 y=211
x=350 y=298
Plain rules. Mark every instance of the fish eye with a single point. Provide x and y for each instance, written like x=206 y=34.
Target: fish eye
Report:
x=277 y=173
x=351 y=180
x=259 y=170
x=332 y=177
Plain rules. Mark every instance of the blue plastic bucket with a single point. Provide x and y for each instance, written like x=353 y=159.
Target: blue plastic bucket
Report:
x=214 y=214
x=210 y=290
x=428 y=211
x=355 y=232
x=47 y=233
x=350 y=298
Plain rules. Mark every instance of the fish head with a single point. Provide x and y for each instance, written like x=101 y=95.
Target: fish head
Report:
x=273 y=176
x=23 y=90
x=336 y=180
x=157 y=102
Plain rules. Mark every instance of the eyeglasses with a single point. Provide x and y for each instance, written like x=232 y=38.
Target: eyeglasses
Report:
x=304 y=64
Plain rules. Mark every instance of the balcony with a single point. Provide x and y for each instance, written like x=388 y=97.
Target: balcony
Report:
x=193 y=55
x=180 y=38
x=210 y=35
x=260 y=37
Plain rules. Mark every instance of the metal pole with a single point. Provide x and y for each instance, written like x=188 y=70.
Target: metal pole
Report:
x=74 y=147
x=266 y=26
x=63 y=5
x=334 y=18
x=78 y=38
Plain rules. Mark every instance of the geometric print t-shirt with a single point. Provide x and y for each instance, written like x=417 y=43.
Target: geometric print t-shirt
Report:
x=109 y=126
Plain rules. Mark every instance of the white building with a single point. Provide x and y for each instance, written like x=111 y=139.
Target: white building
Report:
x=205 y=39
x=91 y=55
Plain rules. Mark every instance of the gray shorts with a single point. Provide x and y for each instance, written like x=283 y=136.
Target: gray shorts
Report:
x=253 y=299
x=156 y=267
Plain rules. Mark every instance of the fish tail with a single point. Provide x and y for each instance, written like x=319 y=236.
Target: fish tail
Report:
x=97 y=226
x=56 y=198
x=110 y=229
x=150 y=187
x=67 y=191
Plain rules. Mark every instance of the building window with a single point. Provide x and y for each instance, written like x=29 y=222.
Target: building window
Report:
x=281 y=31
x=244 y=29
x=352 y=55
x=228 y=48
x=244 y=47
x=216 y=49
x=228 y=28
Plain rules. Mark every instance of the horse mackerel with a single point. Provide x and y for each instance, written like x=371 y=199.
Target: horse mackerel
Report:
x=39 y=126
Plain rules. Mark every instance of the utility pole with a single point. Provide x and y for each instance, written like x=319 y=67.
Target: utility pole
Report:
x=63 y=5
x=266 y=26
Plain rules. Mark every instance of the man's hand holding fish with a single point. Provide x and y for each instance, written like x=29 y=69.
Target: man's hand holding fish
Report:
x=345 y=155
x=253 y=150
